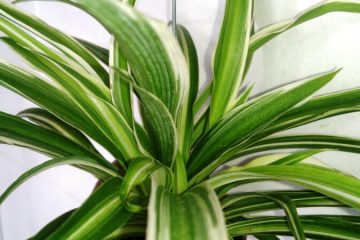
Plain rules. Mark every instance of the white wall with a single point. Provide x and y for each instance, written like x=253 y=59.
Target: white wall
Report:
x=317 y=46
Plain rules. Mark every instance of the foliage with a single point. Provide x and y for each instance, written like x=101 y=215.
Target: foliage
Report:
x=169 y=180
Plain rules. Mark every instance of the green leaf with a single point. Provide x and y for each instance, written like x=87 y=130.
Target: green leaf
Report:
x=201 y=99
x=244 y=121
x=291 y=214
x=296 y=157
x=160 y=126
x=16 y=131
x=201 y=123
x=38 y=90
x=144 y=140
x=188 y=47
x=230 y=57
x=241 y=204
x=90 y=106
x=65 y=43
x=138 y=172
x=99 y=52
x=74 y=160
x=314 y=227
x=120 y=90
x=266 y=34
x=200 y=127
x=99 y=112
x=158 y=122
x=343 y=188
x=244 y=96
x=185 y=125
x=287 y=205
x=135 y=227
x=344 y=144
x=195 y=214
x=152 y=52
x=47 y=120
x=318 y=108
x=62 y=73
x=282 y=159
x=180 y=175
x=110 y=121
x=100 y=215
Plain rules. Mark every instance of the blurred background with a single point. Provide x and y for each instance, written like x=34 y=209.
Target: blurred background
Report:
x=317 y=46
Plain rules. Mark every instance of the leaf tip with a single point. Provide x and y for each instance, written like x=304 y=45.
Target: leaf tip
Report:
x=337 y=70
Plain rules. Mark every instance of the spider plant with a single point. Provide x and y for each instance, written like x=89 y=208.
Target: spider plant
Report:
x=172 y=178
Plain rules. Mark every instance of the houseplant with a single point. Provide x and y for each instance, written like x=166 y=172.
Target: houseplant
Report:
x=169 y=181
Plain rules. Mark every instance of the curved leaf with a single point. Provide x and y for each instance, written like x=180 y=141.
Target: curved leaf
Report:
x=230 y=57
x=47 y=120
x=155 y=57
x=242 y=122
x=315 y=109
x=266 y=34
x=138 y=172
x=144 y=140
x=203 y=96
x=195 y=214
x=114 y=126
x=160 y=126
x=199 y=127
x=343 y=188
x=80 y=161
x=185 y=125
x=120 y=90
x=98 y=112
x=201 y=123
x=61 y=73
x=291 y=214
x=100 y=215
x=135 y=227
x=38 y=90
x=329 y=142
x=241 y=204
x=65 y=43
x=99 y=52
x=158 y=122
x=314 y=227
x=296 y=157
x=244 y=96
x=14 y=130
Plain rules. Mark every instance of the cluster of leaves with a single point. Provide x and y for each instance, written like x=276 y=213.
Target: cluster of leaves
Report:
x=164 y=185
